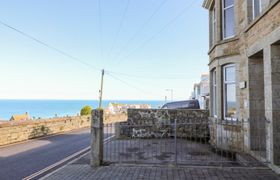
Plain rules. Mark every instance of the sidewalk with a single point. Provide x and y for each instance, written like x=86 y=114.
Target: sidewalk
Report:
x=80 y=169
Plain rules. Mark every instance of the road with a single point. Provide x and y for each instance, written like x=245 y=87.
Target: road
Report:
x=23 y=159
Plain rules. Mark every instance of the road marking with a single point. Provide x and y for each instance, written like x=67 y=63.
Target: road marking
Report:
x=77 y=155
x=108 y=138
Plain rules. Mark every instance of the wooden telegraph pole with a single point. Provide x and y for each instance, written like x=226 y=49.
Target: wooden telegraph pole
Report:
x=101 y=89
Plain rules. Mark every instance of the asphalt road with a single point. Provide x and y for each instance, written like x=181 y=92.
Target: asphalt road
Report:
x=23 y=159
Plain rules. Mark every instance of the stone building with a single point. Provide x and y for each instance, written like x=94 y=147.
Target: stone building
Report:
x=244 y=65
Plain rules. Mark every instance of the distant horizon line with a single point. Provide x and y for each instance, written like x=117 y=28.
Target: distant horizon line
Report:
x=84 y=99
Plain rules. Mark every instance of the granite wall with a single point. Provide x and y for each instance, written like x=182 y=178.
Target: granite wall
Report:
x=12 y=132
x=158 y=123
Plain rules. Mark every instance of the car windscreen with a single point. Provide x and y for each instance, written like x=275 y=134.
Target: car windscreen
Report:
x=181 y=104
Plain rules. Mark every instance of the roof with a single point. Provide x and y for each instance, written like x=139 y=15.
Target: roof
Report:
x=20 y=117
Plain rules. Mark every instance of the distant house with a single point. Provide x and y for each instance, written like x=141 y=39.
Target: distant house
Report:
x=115 y=108
x=20 y=117
x=201 y=91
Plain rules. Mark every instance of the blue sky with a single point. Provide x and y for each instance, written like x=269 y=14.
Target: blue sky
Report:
x=149 y=49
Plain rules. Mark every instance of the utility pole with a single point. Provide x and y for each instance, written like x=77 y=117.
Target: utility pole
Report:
x=101 y=89
x=171 y=91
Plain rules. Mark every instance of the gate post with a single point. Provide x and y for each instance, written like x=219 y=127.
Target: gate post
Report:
x=175 y=132
x=96 y=138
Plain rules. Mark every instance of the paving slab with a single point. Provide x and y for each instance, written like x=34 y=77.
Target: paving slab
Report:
x=165 y=151
x=80 y=169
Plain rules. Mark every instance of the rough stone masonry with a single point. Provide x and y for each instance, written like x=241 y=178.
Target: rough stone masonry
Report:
x=155 y=123
x=12 y=132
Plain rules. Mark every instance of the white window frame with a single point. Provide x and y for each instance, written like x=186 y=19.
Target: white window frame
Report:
x=213 y=24
x=223 y=19
x=214 y=93
x=224 y=90
x=253 y=8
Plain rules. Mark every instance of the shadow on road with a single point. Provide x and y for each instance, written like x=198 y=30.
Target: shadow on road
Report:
x=29 y=157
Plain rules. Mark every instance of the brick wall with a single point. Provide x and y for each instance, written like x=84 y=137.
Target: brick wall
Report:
x=12 y=132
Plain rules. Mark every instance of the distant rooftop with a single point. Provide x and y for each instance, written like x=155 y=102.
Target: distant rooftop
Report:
x=20 y=117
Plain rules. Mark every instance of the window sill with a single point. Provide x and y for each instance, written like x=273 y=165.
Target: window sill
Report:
x=225 y=122
x=224 y=41
x=257 y=19
x=230 y=123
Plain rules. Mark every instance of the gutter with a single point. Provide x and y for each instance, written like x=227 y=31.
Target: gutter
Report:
x=207 y=3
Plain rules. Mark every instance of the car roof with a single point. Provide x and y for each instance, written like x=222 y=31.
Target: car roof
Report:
x=182 y=102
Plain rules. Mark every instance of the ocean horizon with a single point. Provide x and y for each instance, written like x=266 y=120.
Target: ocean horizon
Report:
x=51 y=108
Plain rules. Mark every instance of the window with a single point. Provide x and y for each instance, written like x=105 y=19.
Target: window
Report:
x=228 y=18
x=257 y=8
x=214 y=93
x=213 y=27
x=229 y=97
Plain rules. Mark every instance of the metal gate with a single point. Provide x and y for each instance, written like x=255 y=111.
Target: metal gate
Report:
x=177 y=143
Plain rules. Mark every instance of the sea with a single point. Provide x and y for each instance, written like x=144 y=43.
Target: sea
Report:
x=51 y=108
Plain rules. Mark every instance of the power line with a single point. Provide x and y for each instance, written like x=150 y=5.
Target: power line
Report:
x=77 y=59
x=142 y=27
x=119 y=28
x=126 y=83
x=48 y=46
x=157 y=33
x=147 y=77
x=87 y=64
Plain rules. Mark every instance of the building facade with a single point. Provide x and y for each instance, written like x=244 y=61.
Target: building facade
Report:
x=244 y=65
x=201 y=91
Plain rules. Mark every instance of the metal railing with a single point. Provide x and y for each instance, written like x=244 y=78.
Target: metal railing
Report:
x=213 y=142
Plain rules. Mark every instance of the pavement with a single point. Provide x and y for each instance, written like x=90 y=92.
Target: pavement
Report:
x=165 y=151
x=23 y=159
x=154 y=159
x=80 y=169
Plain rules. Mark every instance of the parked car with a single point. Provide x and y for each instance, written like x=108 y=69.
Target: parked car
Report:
x=189 y=104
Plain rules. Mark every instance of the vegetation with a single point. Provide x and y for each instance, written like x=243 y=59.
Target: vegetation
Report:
x=86 y=110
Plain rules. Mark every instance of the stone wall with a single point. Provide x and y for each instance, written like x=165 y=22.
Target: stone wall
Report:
x=12 y=132
x=113 y=118
x=227 y=136
x=155 y=123
x=264 y=26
